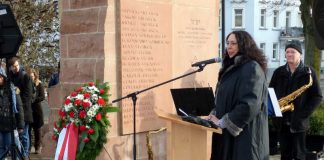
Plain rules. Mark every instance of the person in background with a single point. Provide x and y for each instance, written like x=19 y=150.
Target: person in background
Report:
x=10 y=104
x=24 y=83
x=55 y=77
x=241 y=102
x=38 y=115
x=293 y=125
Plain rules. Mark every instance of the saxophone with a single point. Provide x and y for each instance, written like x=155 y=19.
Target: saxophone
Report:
x=284 y=102
x=149 y=143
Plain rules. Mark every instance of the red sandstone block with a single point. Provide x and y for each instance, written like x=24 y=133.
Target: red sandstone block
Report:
x=80 y=21
x=63 y=46
x=100 y=70
x=76 y=4
x=86 y=46
x=79 y=71
x=65 y=5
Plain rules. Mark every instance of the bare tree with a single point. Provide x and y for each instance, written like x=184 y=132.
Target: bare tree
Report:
x=312 y=53
x=39 y=24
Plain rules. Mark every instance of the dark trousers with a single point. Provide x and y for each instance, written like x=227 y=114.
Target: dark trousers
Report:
x=292 y=145
x=37 y=137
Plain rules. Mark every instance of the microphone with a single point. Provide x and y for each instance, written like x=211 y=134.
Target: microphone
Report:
x=205 y=62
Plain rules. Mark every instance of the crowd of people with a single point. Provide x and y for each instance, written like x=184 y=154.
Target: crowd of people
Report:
x=21 y=114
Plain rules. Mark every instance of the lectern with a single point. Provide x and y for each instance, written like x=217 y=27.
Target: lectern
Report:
x=187 y=140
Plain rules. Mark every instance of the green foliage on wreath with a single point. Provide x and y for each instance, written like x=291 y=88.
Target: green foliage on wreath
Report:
x=87 y=107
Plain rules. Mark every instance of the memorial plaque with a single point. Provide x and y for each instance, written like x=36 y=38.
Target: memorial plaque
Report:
x=195 y=33
x=146 y=60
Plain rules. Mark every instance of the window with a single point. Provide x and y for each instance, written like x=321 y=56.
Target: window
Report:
x=263 y=18
x=275 y=18
x=263 y=47
x=275 y=51
x=299 y=20
x=288 y=14
x=238 y=18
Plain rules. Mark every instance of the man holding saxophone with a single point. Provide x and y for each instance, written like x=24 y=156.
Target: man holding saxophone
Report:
x=297 y=88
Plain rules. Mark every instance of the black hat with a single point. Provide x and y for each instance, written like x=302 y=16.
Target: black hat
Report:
x=295 y=45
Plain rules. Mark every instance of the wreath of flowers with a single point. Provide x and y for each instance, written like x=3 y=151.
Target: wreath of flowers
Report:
x=87 y=107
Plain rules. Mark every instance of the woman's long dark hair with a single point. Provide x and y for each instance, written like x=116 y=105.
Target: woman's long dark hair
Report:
x=248 y=47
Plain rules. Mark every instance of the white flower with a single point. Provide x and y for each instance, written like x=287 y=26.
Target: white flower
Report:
x=93 y=89
x=80 y=96
x=90 y=113
x=68 y=107
x=94 y=97
x=95 y=107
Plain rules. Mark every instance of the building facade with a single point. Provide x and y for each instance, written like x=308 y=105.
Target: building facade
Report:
x=272 y=23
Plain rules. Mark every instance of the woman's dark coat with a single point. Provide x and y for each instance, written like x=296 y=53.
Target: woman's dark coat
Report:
x=23 y=81
x=241 y=98
x=284 y=83
x=6 y=107
x=38 y=115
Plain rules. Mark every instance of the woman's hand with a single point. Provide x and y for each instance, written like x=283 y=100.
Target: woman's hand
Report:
x=213 y=118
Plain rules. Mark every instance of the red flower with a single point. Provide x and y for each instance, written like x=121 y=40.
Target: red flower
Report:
x=86 y=140
x=72 y=114
x=82 y=128
x=73 y=94
x=86 y=95
x=67 y=101
x=78 y=102
x=102 y=91
x=63 y=125
x=90 y=131
x=98 y=117
x=79 y=89
x=82 y=114
x=85 y=104
x=61 y=113
x=54 y=137
x=91 y=84
x=101 y=101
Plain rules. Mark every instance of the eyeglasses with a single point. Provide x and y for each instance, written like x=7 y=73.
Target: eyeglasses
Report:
x=231 y=43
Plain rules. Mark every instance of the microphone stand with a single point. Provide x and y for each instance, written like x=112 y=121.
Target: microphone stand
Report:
x=134 y=98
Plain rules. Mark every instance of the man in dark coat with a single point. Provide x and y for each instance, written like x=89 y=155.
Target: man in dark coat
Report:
x=241 y=102
x=22 y=80
x=293 y=125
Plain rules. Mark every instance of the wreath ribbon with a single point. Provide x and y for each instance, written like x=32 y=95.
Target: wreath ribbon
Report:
x=67 y=143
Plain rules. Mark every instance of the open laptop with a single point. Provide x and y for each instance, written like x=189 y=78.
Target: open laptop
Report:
x=193 y=101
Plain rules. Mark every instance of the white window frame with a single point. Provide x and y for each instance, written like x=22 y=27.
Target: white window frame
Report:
x=275 y=19
x=275 y=51
x=299 y=20
x=288 y=19
x=263 y=17
x=263 y=48
x=234 y=17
